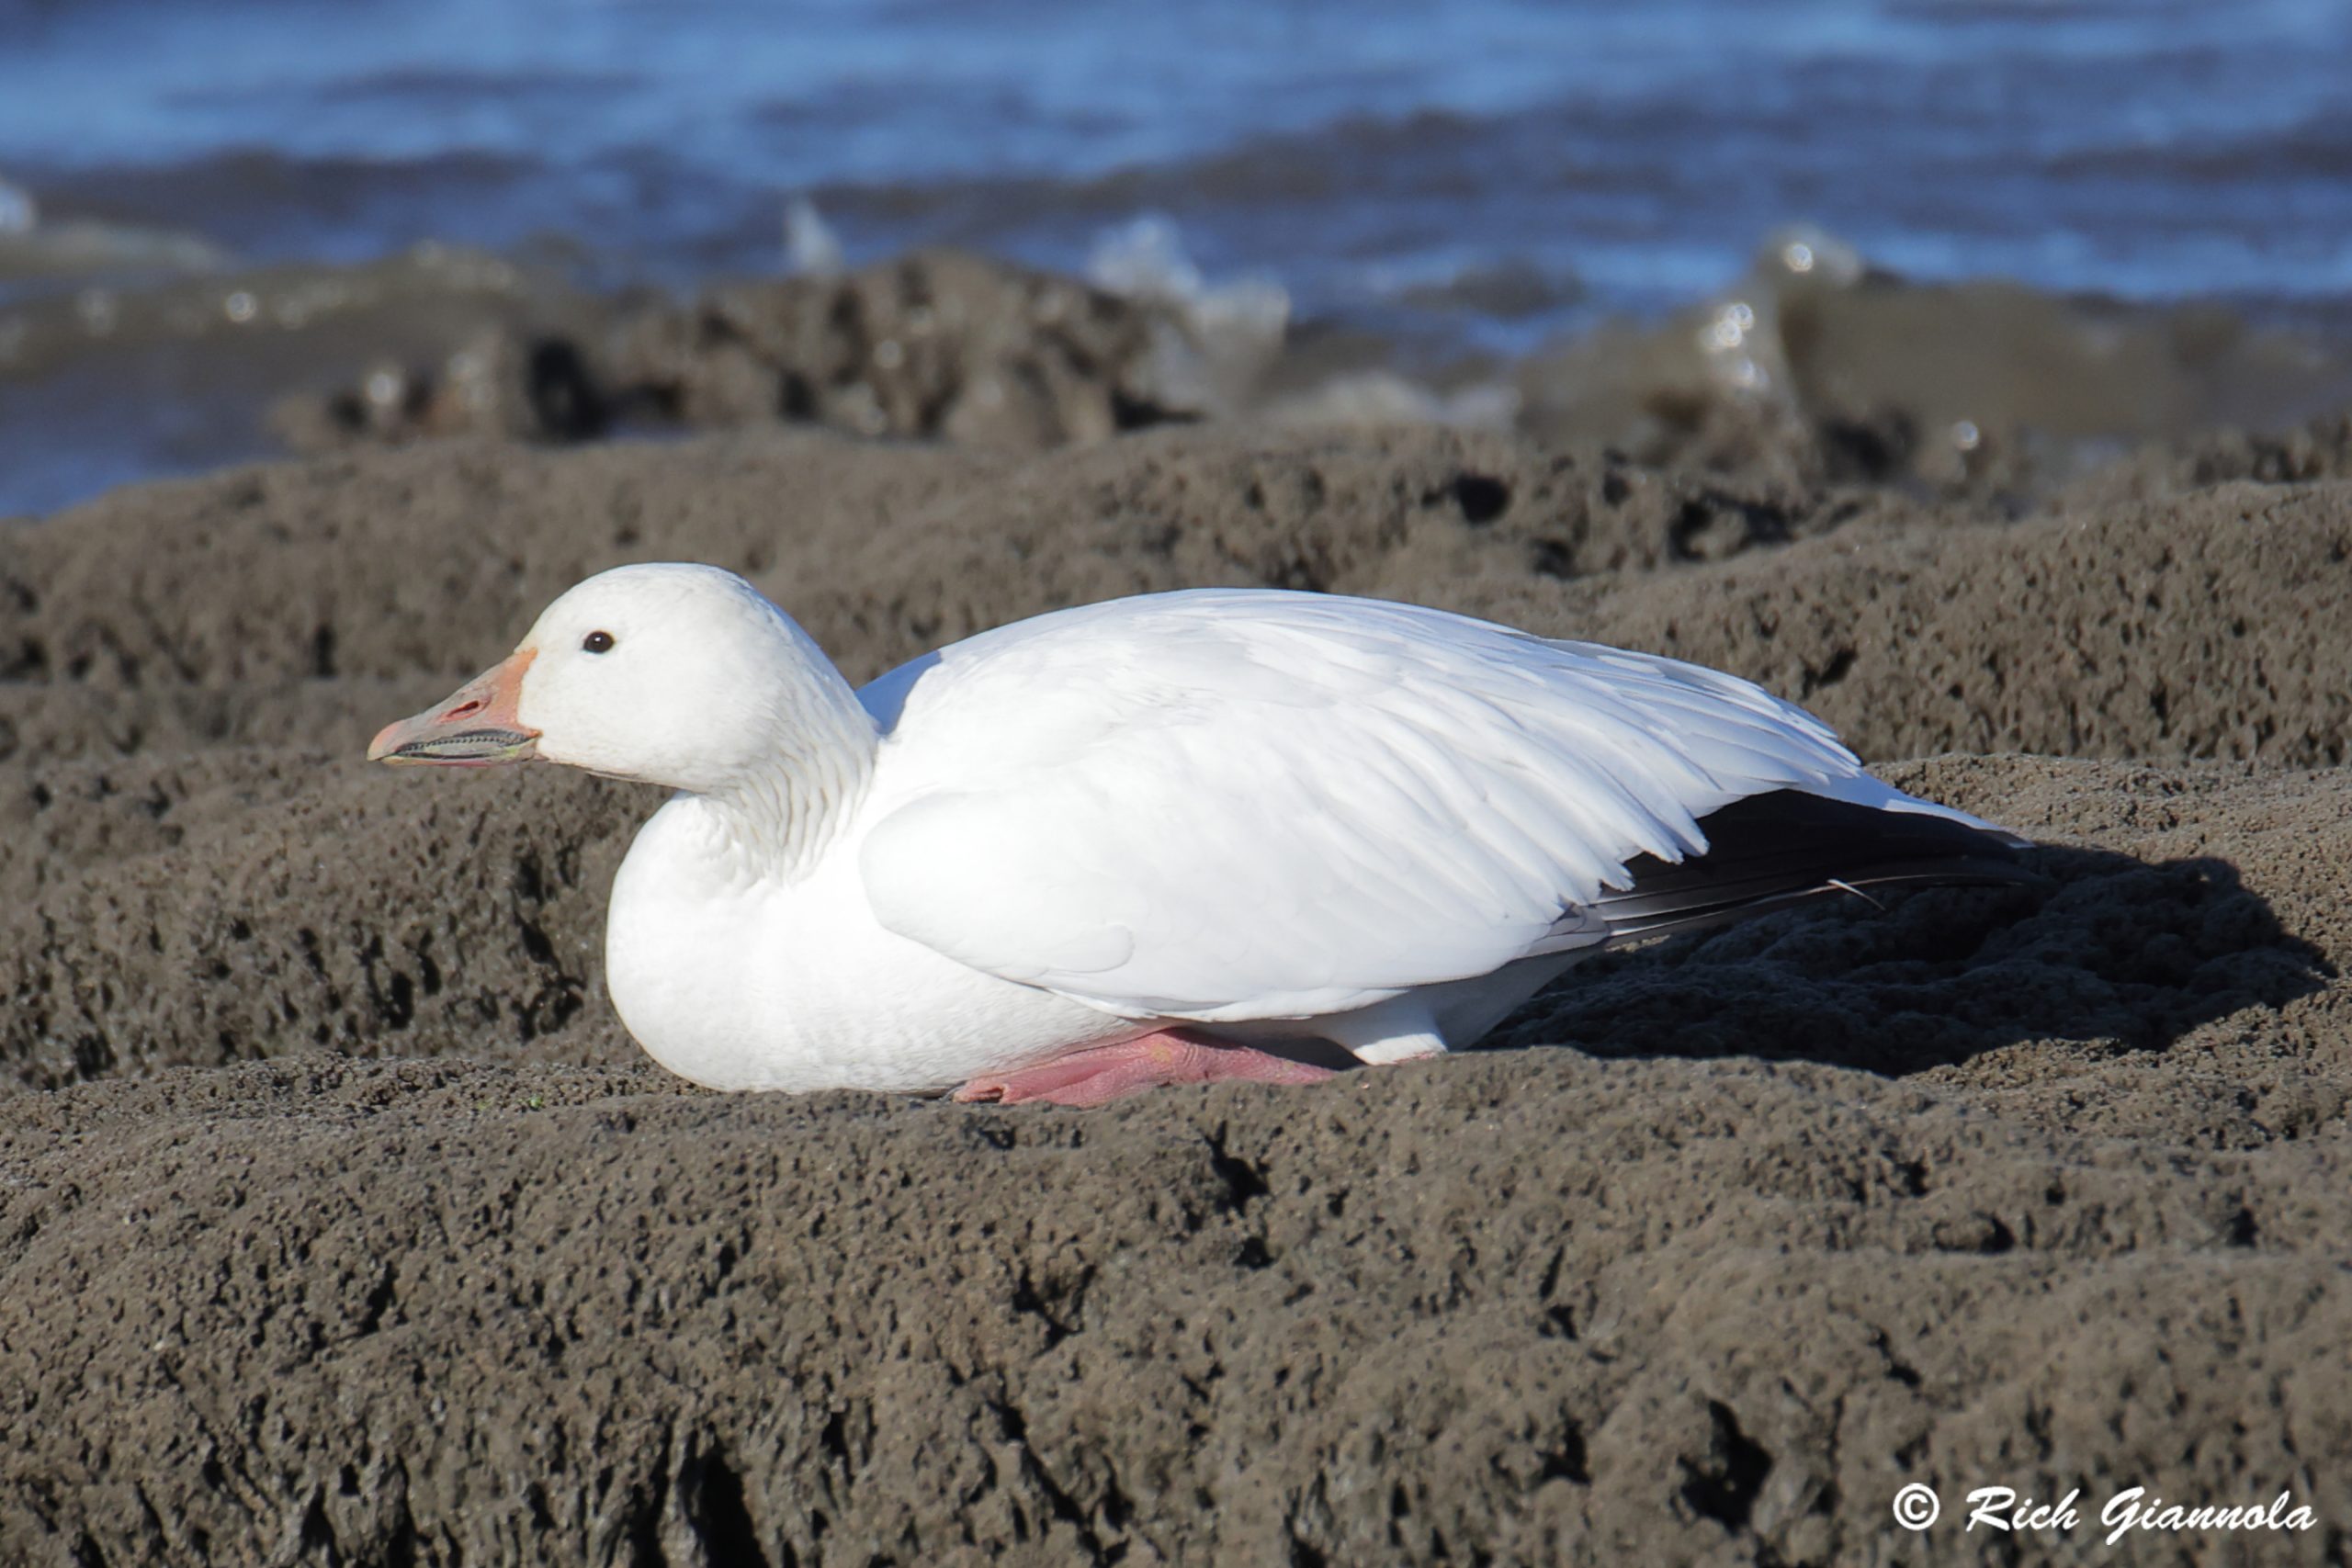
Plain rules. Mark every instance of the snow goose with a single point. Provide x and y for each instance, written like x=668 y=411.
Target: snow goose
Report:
x=1224 y=833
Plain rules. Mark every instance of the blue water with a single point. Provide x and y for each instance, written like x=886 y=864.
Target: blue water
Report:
x=1381 y=159
x=1352 y=149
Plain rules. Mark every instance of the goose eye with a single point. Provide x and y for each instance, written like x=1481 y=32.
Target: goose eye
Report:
x=597 y=642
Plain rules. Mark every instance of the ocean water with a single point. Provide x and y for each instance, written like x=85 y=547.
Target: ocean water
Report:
x=1466 y=175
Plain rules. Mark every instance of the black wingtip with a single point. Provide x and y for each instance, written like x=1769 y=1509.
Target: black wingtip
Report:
x=1785 y=847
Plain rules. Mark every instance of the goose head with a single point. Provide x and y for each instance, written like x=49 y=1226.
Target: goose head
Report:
x=677 y=675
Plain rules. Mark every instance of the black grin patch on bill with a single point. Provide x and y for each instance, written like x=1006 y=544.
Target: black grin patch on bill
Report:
x=466 y=745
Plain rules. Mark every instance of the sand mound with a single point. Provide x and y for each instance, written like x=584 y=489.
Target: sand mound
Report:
x=249 y=606
x=939 y=344
x=342 y=1222
x=1534 y=1304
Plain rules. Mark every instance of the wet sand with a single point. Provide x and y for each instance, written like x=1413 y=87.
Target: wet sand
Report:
x=339 y=1219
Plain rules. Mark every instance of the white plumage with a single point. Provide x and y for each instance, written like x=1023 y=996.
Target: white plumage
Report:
x=1273 y=815
x=1232 y=806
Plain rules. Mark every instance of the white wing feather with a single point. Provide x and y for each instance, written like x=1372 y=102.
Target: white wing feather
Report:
x=1226 y=806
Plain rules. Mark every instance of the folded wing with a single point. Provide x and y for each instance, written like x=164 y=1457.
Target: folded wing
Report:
x=1232 y=806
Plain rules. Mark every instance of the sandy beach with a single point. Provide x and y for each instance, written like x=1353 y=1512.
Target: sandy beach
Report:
x=341 y=1221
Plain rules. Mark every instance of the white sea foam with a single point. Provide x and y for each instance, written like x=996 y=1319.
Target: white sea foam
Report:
x=1228 y=332
x=1384 y=397
x=811 y=249
x=17 y=213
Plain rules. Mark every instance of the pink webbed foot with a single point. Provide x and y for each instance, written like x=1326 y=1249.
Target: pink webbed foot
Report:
x=1103 y=1073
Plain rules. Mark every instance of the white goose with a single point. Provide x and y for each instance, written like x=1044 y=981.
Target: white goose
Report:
x=1190 y=836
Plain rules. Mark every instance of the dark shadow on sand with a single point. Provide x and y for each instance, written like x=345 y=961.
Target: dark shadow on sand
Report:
x=2118 y=951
